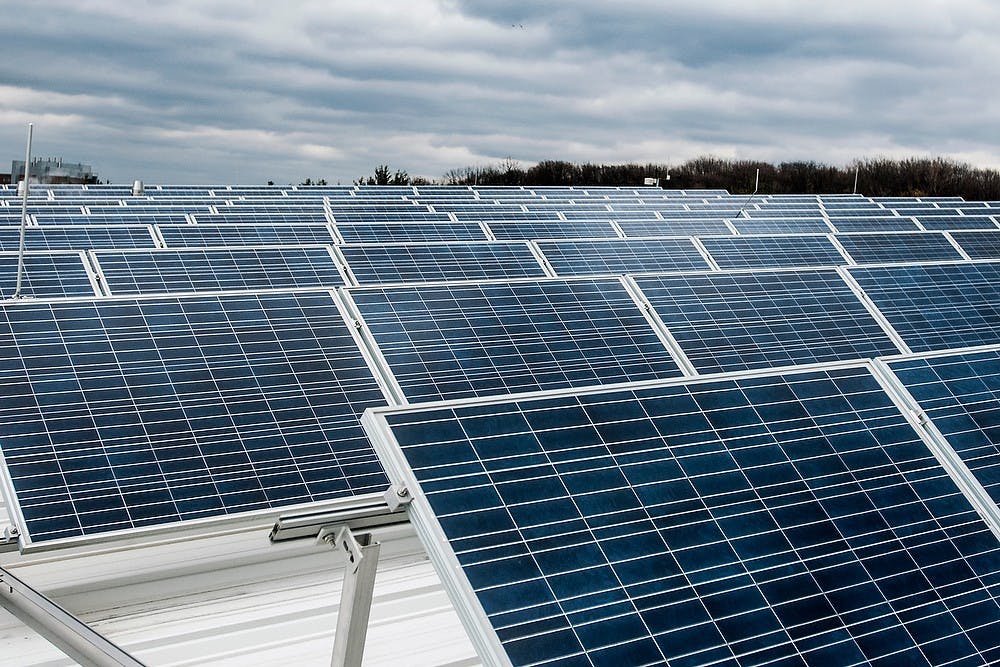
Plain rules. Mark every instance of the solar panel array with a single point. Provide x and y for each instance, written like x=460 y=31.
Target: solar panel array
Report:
x=677 y=426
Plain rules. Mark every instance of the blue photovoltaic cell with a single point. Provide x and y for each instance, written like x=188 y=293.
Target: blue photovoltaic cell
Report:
x=781 y=226
x=372 y=264
x=458 y=341
x=961 y=395
x=740 y=321
x=127 y=217
x=80 y=237
x=552 y=229
x=889 y=248
x=745 y=252
x=979 y=245
x=937 y=307
x=159 y=271
x=861 y=224
x=46 y=275
x=121 y=414
x=948 y=222
x=412 y=232
x=619 y=256
x=202 y=235
x=641 y=228
x=786 y=520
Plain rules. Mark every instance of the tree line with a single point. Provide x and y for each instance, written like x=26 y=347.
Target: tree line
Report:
x=876 y=177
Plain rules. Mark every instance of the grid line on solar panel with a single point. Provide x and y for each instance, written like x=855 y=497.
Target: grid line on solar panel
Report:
x=460 y=340
x=798 y=519
x=743 y=252
x=936 y=307
x=430 y=262
x=84 y=237
x=217 y=269
x=401 y=232
x=46 y=275
x=621 y=256
x=898 y=247
x=978 y=245
x=960 y=394
x=740 y=321
x=527 y=230
x=781 y=226
x=120 y=414
x=206 y=235
x=649 y=228
x=956 y=222
x=284 y=218
x=868 y=224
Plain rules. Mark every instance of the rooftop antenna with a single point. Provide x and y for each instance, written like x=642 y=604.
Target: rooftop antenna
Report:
x=24 y=214
x=756 y=184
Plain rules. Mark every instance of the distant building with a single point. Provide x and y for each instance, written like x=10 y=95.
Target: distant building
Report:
x=53 y=170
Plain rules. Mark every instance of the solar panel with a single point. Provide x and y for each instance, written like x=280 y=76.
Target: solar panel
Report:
x=619 y=256
x=372 y=264
x=412 y=232
x=83 y=237
x=948 y=222
x=244 y=217
x=417 y=214
x=792 y=519
x=867 y=224
x=46 y=275
x=781 y=226
x=122 y=414
x=643 y=228
x=744 y=252
x=905 y=247
x=935 y=307
x=551 y=229
x=960 y=393
x=125 y=218
x=459 y=340
x=979 y=245
x=202 y=235
x=196 y=270
x=739 y=321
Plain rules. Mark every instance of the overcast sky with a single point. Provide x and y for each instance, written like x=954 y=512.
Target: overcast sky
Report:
x=239 y=91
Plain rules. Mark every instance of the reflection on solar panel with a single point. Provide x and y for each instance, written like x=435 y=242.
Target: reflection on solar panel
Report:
x=46 y=275
x=946 y=222
x=412 y=233
x=83 y=237
x=555 y=229
x=372 y=264
x=641 y=228
x=202 y=235
x=979 y=245
x=889 y=248
x=859 y=224
x=793 y=520
x=740 y=321
x=743 y=252
x=781 y=226
x=618 y=256
x=935 y=307
x=194 y=270
x=960 y=393
x=124 y=414
x=494 y=338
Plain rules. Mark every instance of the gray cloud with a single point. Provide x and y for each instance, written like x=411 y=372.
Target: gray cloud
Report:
x=245 y=92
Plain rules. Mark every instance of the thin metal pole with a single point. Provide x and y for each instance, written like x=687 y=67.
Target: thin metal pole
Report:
x=68 y=633
x=857 y=168
x=24 y=214
x=756 y=185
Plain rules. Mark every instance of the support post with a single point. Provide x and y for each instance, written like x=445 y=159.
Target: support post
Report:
x=24 y=213
x=66 y=632
x=361 y=553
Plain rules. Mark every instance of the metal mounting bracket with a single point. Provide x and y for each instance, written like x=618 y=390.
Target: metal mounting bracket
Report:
x=361 y=555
